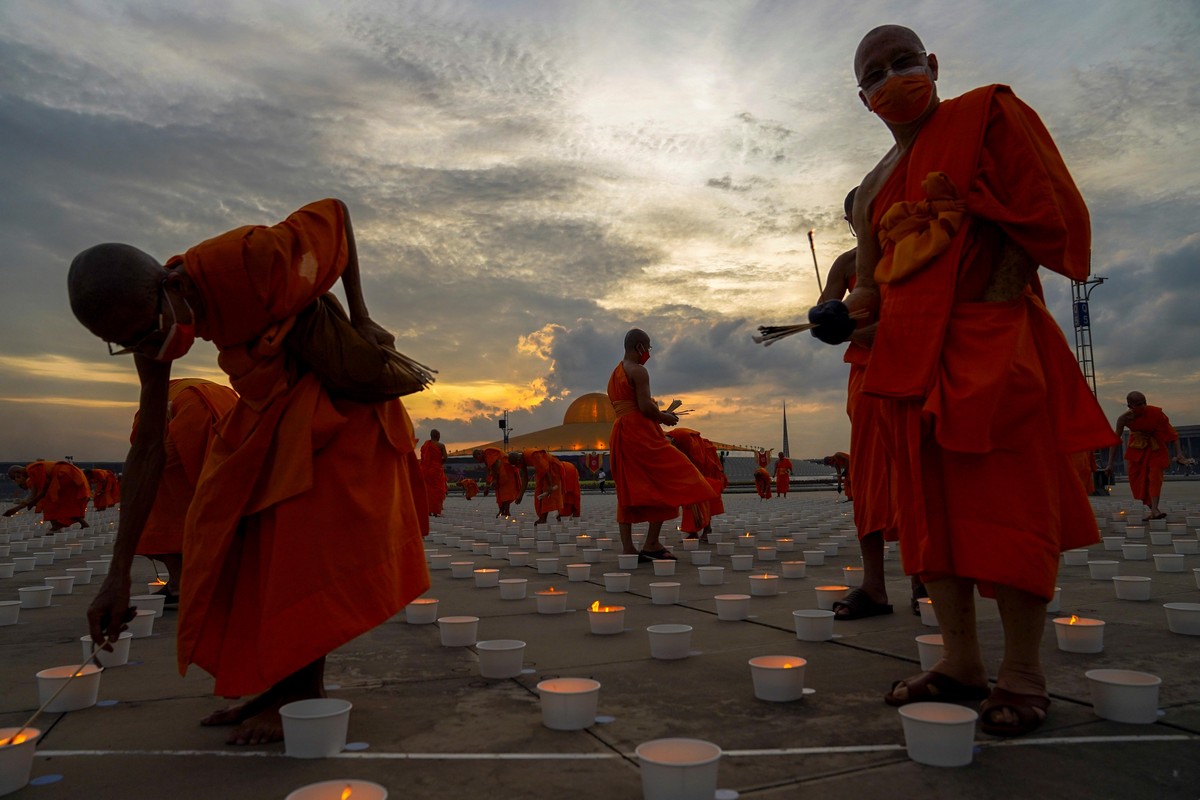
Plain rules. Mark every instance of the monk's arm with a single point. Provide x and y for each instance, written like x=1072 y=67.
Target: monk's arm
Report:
x=837 y=282
x=640 y=379
x=1108 y=461
x=110 y=610
x=352 y=285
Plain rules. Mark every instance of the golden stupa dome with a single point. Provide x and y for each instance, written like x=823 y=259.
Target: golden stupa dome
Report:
x=593 y=407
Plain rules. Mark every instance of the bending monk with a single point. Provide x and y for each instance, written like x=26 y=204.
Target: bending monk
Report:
x=762 y=483
x=269 y=591
x=58 y=489
x=106 y=489
x=696 y=519
x=572 y=494
x=195 y=407
x=978 y=388
x=1146 y=456
x=783 y=475
x=469 y=486
x=433 y=457
x=548 y=480
x=501 y=476
x=841 y=469
x=653 y=479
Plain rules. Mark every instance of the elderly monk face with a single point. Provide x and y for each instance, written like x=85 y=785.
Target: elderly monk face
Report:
x=1135 y=401
x=887 y=50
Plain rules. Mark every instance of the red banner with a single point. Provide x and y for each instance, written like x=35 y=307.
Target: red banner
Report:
x=763 y=458
x=593 y=461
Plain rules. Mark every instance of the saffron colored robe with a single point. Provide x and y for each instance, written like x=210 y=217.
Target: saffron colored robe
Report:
x=67 y=490
x=1147 y=454
x=434 y=475
x=506 y=480
x=195 y=406
x=470 y=487
x=702 y=453
x=307 y=523
x=783 y=472
x=106 y=489
x=842 y=463
x=762 y=483
x=548 y=472
x=981 y=402
x=653 y=479
x=572 y=494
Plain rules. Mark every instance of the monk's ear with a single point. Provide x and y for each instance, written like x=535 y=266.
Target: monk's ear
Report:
x=863 y=98
x=933 y=65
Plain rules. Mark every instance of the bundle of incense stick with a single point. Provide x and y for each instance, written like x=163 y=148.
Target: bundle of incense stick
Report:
x=770 y=334
x=418 y=374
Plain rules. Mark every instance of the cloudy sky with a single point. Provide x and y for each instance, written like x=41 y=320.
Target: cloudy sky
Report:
x=530 y=179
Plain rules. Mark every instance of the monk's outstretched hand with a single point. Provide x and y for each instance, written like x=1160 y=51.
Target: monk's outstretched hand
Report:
x=110 y=612
x=832 y=321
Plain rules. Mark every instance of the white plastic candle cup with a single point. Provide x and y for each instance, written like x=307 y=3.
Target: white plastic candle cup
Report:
x=591 y=555
x=813 y=624
x=764 y=585
x=678 y=769
x=711 y=576
x=829 y=548
x=607 y=620
x=778 y=679
x=44 y=558
x=939 y=734
x=732 y=607
x=1186 y=547
x=664 y=593
x=1131 y=587
x=616 y=581
x=785 y=545
x=1075 y=558
x=815 y=558
x=1112 y=543
x=545 y=546
x=16 y=760
x=570 y=550
x=551 y=601
x=929 y=649
x=794 y=569
x=828 y=595
x=742 y=562
x=547 y=565
x=81 y=692
x=149 y=602
x=1056 y=602
x=1123 y=695
x=1183 y=618
x=480 y=548
x=1196 y=575
x=518 y=558
x=604 y=543
x=577 y=573
x=724 y=548
x=1168 y=562
x=487 y=578
x=1135 y=552
x=766 y=553
x=691 y=544
x=701 y=557
x=1135 y=531
x=61 y=553
x=462 y=569
x=569 y=704
x=439 y=560
x=24 y=563
x=142 y=625
x=513 y=588
x=65 y=584
x=852 y=576
x=500 y=658
x=746 y=540
x=563 y=537
x=34 y=596
x=526 y=542
x=1102 y=570
x=458 y=631
x=627 y=561
x=509 y=539
x=1158 y=524
x=670 y=642
x=119 y=656
x=334 y=790
x=421 y=611
x=10 y=612
x=1160 y=538
x=664 y=567
x=928 y=615
x=5 y=550
x=1081 y=636
x=17 y=548
x=315 y=728
x=1192 y=521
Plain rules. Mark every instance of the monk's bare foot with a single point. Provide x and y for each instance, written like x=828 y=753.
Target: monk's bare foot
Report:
x=262 y=728
x=237 y=714
x=83 y=524
x=1021 y=683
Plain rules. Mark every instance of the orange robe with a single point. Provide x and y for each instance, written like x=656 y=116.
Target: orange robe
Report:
x=1084 y=464
x=762 y=483
x=306 y=528
x=652 y=478
x=434 y=475
x=106 y=489
x=842 y=463
x=702 y=453
x=508 y=485
x=981 y=402
x=1147 y=454
x=67 y=490
x=548 y=472
x=783 y=472
x=196 y=406
x=572 y=495
x=470 y=487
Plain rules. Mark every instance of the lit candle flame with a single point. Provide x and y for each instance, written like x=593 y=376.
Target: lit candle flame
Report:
x=1073 y=620
x=15 y=740
x=787 y=665
x=346 y=793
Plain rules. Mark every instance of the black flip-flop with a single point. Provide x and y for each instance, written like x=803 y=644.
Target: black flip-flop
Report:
x=860 y=605
x=663 y=554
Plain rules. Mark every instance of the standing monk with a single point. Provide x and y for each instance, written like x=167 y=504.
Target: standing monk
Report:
x=433 y=457
x=783 y=473
x=269 y=592
x=653 y=479
x=978 y=386
x=58 y=489
x=548 y=480
x=469 y=486
x=194 y=409
x=106 y=489
x=1146 y=455
x=501 y=476
x=572 y=494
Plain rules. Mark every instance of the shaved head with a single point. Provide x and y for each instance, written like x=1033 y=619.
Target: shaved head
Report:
x=635 y=337
x=435 y=434
x=114 y=290
x=885 y=37
x=1135 y=399
x=15 y=470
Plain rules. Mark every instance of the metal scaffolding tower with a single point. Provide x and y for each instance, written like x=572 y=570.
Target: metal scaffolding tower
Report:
x=1081 y=291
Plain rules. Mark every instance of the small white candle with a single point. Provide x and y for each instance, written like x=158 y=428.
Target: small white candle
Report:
x=1079 y=634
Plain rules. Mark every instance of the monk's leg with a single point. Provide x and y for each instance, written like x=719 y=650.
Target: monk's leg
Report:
x=174 y=564
x=626 y=531
x=962 y=660
x=652 y=544
x=258 y=720
x=1023 y=616
x=873 y=584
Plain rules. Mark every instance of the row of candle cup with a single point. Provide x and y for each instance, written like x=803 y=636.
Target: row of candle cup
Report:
x=1103 y=569
x=792 y=568
x=486 y=577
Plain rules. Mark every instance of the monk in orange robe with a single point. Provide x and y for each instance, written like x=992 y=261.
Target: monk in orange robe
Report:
x=502 y=477
x=1146 y=456
x=572 y=494
x=653 y=479
x=762 y=483
x=433 y=459
x=981 y=397
x=548 y=480
x=783 y=475
x=469 y=486
x=841 y=469
x=307 y=522
x=696 y=519
x=194 y=409
x=58 y=489
x=1084 y=463
x=106 y=489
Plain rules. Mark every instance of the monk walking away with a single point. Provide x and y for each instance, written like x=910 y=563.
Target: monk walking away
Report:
x=980 y=396
x=315 y=443
x=783 y=475
x=1146 y=455
x=58 y=489
x=433 y=460
x=653 y=479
